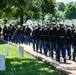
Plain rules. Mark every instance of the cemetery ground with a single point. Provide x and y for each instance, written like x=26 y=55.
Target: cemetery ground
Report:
x=26 y=65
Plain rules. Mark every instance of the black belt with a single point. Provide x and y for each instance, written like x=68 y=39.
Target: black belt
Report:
x=61 y=36
x=68 y=37
x=45 y=35
x=53 y=36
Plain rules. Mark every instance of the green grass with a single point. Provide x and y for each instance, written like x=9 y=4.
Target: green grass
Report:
x=26 y=65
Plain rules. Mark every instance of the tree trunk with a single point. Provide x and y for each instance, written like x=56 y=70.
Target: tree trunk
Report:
x=21 y=19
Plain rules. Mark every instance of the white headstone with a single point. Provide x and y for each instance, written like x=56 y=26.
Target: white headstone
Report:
x=2 y=62
x=6 y=49
x=21 y=51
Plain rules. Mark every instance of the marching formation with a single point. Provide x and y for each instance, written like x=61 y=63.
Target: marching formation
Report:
x=17 y=34
x=59 y=41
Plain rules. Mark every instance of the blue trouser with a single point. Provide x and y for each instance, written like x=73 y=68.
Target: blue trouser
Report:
x=53 y=48
x=34 y=43
x=37 y=44
x=41 y=45
x=14 y=38
x=47 y=47
x=27 y=39
x=5 y=36
x=62 y=48
x=22 y=38
x=68 y=47
x=9 y=37
x=74 y=52
x=18 y=39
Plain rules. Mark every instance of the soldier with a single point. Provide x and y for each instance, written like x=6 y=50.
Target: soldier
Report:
x=28 y=36
x=53 y=38
x=4 y=32
x=18 y=32
x=34 y=37
x=68 y=39
x=22 y=33
x=8 y=33
x=61 y=41
x=46 y=40
x=41 y=40
x=74 y=44
x=37 y=37
x=13 y=29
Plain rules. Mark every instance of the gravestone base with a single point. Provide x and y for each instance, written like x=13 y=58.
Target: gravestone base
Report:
x=2 y=62
x=21 y=51
x=6 y=49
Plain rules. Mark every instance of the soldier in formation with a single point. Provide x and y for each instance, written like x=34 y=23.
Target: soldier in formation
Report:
x=17 y=34
x=54 y=41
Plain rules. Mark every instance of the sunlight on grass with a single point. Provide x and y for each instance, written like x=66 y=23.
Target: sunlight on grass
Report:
x=26 y=65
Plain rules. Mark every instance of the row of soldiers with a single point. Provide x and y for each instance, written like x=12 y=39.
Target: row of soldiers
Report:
x=55 y=39
x=17 y=34
x=46 y=38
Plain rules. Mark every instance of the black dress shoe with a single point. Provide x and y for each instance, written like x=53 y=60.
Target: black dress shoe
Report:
x=64 y=60
x=74 y=59
x=58 y=60
x=69 y=57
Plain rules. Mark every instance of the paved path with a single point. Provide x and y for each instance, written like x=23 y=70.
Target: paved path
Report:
x=68 y=68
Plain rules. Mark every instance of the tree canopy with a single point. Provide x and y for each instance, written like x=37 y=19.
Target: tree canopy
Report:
x=21 y=8
x=70 y=11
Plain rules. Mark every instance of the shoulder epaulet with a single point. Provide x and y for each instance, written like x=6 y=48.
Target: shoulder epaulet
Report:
x=58 y=28
x=65 y=29
x=45 y=28
x=74 y=31
x=51 y=28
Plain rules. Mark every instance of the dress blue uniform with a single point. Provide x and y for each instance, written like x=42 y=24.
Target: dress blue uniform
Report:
x=41 y=40
x=61 y=41
x=53 y=39
x=34 y=38
x=74 y=44
x=46 y=40
x=68 y=40
x=37 y=38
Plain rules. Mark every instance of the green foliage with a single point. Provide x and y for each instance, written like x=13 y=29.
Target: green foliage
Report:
x=48 y=6
x=70 y=12
x=61 y=6
x=1 y=13
x=20 y=8
x=3 y=4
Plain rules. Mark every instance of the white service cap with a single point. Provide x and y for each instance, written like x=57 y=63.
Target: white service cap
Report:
x=62 y=23
x=53 y=23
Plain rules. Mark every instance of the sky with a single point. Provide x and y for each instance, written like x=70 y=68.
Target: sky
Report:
x=65 y=1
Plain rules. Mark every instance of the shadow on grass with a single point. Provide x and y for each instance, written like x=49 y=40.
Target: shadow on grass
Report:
x=25 y=66
x=2 y=42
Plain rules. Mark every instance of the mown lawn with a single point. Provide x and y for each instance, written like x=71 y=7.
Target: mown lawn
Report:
x=26 y=65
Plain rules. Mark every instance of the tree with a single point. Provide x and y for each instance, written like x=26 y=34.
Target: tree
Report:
x=61 y=6
x=70 y=11
x=21 y=8
x=48 y=6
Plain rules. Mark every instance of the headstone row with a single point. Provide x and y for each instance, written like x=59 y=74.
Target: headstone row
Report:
x=6 y=53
